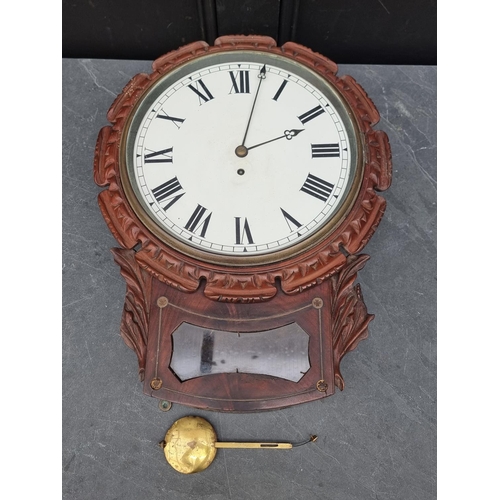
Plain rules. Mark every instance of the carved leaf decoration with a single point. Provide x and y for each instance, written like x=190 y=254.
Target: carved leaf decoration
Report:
x=380 y=159
x=125 y=100
x=366 y=110
x=135 y=317
x=350 y=317
x=100 y=157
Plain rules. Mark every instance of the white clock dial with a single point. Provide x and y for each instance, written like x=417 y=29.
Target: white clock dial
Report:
x=241 y=156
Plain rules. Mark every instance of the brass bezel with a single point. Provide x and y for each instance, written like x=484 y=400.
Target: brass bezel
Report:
x=239 y=260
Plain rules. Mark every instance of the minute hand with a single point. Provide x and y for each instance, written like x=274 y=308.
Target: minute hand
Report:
x=289 y=134
x=262 y=76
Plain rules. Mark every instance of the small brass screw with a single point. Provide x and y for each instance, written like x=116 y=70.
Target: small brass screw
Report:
x=321 y=385
x=317 y=303
x=156 y=384
x=162 y=302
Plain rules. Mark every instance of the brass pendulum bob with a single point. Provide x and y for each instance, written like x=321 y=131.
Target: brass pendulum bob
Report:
x=190 y=445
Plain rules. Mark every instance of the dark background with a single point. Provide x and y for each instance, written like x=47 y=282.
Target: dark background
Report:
x=347 y=31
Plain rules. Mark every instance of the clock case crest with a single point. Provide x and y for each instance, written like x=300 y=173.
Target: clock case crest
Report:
x=326 y=270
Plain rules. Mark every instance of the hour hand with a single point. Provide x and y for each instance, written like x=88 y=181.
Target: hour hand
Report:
x=242 y=151
x=290 y=134
x=287 y=134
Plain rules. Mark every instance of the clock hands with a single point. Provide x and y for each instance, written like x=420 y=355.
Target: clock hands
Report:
x=262 y=76
x=241 y=151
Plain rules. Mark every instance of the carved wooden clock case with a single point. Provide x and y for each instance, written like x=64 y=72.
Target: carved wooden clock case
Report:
x=240 y=255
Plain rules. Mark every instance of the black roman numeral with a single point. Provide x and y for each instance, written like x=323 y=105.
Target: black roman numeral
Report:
x=242 y=231
x=163 y=154
x=312 y=113
x=200 y=89
x=325 y=150
x=166 y=191
x=243 y=87
x=196 y=221
x=176 y=121
x=278 y=93
x=317 y=187
x=289 y=219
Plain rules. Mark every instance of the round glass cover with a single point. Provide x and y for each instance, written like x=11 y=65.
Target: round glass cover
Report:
x=241 y=154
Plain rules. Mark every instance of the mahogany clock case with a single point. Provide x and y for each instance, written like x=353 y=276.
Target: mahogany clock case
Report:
x=377 y=437
x=318 y=270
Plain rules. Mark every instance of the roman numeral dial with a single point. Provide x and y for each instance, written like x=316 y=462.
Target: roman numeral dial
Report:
x=247 y=156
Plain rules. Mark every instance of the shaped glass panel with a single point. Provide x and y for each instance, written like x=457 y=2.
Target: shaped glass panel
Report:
x=280 y=352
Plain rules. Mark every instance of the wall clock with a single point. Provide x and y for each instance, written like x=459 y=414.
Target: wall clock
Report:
x=241 y=185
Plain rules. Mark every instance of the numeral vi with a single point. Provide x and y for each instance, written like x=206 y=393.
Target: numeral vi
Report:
x=242 y=231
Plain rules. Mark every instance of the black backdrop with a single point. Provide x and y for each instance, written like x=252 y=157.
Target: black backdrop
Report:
x=347 y=31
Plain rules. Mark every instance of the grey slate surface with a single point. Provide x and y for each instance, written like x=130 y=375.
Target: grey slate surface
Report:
x=377 y=438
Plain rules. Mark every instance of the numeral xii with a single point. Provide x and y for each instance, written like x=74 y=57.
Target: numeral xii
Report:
x=243 y=87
